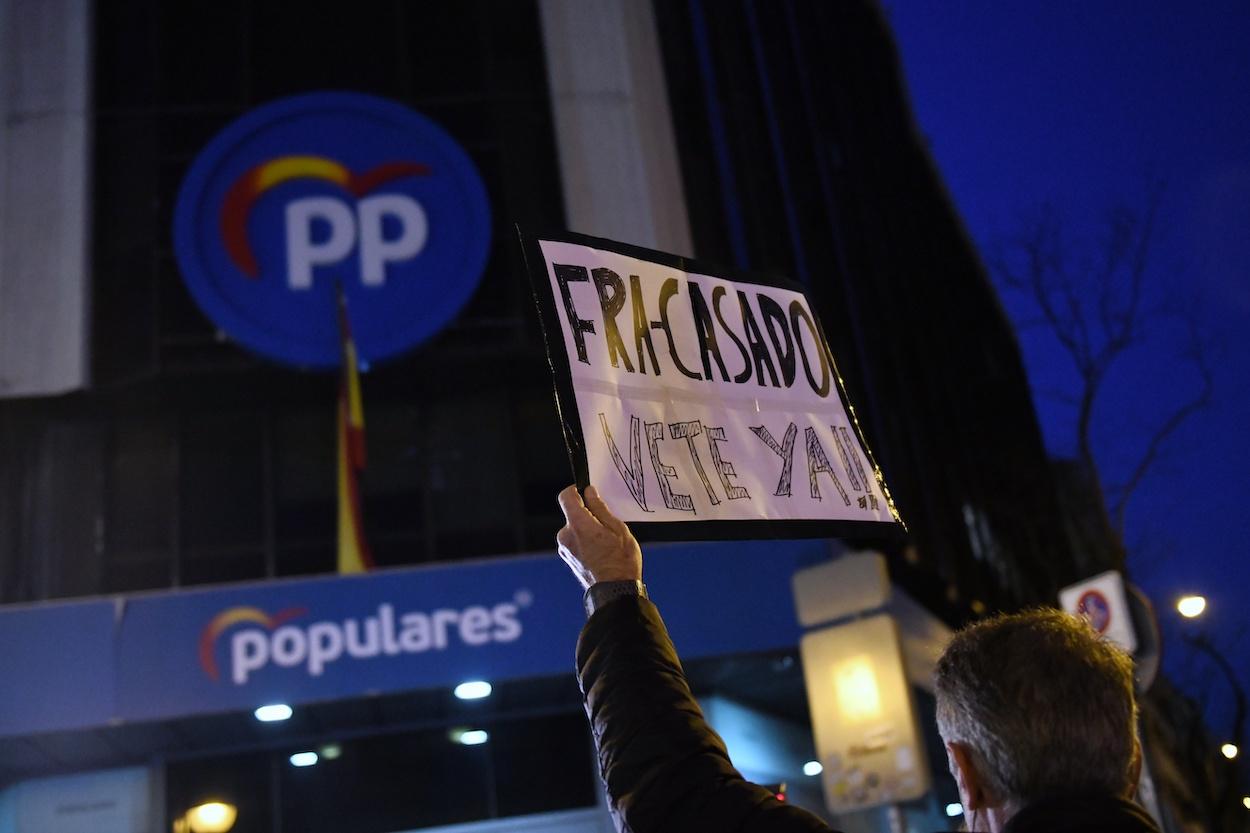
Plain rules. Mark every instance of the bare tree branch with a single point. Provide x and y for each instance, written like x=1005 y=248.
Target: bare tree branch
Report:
x=1201 y=398
x=1099 y=304
x=1094 y=301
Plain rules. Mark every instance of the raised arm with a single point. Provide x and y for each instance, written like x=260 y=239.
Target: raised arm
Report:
x=662 y=765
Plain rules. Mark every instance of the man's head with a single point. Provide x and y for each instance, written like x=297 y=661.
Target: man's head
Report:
x=1033 y=705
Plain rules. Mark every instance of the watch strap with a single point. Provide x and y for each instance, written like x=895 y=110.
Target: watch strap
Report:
x=603 y=592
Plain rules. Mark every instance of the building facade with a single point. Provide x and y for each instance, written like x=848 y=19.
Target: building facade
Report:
x=155 y=475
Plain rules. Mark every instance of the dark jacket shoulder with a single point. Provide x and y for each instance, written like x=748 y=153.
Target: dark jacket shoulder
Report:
x=1082 y=814
x=663 y=766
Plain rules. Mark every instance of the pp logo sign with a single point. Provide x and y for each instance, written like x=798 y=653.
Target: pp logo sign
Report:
x=304 y=253
x=319 y=192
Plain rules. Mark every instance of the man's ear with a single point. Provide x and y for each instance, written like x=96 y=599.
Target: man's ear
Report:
x=1134 y=769
x=972 y=789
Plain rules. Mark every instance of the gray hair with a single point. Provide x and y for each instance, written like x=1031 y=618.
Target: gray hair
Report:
x=1044 y=706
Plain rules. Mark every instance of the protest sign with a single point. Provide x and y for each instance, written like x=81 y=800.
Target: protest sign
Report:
x=701 y=403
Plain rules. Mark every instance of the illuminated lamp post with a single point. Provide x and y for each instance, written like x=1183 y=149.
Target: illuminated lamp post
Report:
x=209 y=817
x=1192 y=607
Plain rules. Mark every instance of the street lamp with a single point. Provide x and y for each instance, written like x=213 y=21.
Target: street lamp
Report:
x=1191 y=606
x=209 y=817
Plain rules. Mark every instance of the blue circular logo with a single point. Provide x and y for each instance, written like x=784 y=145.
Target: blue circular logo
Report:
x=316 y=193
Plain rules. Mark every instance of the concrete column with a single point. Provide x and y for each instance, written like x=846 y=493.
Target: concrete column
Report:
x=45 y=61
x=614 y=129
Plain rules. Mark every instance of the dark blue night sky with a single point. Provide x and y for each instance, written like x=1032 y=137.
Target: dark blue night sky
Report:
x=1074 y=103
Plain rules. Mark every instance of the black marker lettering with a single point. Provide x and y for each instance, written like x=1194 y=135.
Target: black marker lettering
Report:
x=756 y=342
x=655 y=433
x=845 y=453
x=774 y=318
x=667 y=291
x=818 y=461
x=724 y=468
x=631 y=474
x=707 y=333
x=796 y=312
x=690 y=430
x=785 y=451
x=852 y=452
x=611 y=290
x=642 y=333
x=717 y=294
x=565 y=275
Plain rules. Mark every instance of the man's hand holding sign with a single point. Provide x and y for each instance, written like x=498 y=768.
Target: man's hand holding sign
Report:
x=596 y=545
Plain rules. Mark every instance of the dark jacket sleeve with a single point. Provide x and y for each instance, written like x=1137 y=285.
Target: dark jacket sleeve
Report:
x=663 y=766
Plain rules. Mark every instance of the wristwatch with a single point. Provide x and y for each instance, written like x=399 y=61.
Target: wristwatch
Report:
x=602 y=592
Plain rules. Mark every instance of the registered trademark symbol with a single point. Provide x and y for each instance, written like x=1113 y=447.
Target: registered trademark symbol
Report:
x=524 y=598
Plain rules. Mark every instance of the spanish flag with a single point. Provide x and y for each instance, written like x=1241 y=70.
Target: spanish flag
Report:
x=354 y=554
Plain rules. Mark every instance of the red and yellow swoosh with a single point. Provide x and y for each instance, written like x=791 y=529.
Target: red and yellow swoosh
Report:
x=230 y=618
x=248 y=188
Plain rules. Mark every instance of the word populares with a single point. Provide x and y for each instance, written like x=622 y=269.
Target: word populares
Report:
x=318 y=644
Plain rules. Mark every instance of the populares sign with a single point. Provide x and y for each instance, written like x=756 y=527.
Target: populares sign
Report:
x=328 y=638
x=701 y=403
x=285 y=639
x=310 y=195
x=195 y=651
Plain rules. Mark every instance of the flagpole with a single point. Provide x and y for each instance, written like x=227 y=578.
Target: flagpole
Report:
x=354 y=555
